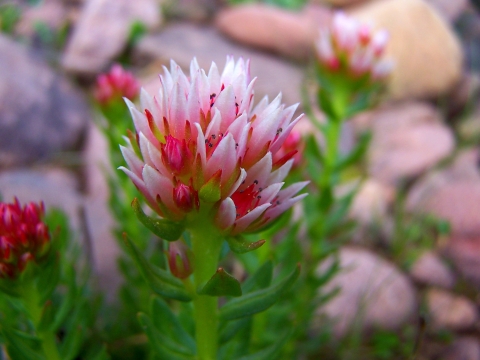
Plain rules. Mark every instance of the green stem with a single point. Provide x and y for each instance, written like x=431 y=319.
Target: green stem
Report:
x=34 y=308
x=206 y=244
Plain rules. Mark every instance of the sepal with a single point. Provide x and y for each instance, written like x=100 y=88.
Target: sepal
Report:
x=221 y=284
x=240 y=246
x=211 y=192
x=259 y=300
x=161 y=282
x=163 y=228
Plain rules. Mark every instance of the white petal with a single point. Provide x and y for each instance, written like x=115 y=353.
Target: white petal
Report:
x=260 y=172
x=226 y=214
x=225 y=104
x=133 y=162
x=224 y=157
x=269 y=193
x=241 y=178
x=201 y=145
x=160 y=185
x=275 y=211
x=242 y=223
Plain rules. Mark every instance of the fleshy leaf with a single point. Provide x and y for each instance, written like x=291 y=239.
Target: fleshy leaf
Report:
x=157 y=283
x=211 y=191
x=271 y=352
x=261 y=279
x=159 y=343
x=21 y=345
x=163 y=228
x=259 y=300
x=240 y=246
x=221 y=284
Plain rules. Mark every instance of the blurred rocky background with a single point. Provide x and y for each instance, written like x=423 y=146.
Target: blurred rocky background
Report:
x=421 y=196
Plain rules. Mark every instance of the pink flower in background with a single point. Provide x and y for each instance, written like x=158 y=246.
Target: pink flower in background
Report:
x=354 y=48
x=116 y=85
x=201 y=146
x=23 y=236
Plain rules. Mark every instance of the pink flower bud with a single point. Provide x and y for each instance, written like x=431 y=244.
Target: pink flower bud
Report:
x=176 y=155
x=179 y=259
x=116 y=85
x=23 y=237
x=185 y=197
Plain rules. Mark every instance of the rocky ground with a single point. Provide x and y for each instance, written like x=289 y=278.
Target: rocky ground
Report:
x=424 y=148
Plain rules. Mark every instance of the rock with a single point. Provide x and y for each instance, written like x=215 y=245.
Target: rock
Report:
x=102 y=32
x=55 y=187
x=273 y=29
x=448 y=311
x=342 y=3
x=464 y=252
x=192 y=10
x=429 y=269
x=427 y=55
x=41 y=114
x=452 y=194
x=373 y=293
x=464 y=348
x=408 y=138
x=450 y=10
x=51 y=13
x=181 y=42
x=372 y=202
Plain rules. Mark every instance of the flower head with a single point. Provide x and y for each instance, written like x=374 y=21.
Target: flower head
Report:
x=201 y=146
x=353 y=48
x=115 y=85
x=23 y=237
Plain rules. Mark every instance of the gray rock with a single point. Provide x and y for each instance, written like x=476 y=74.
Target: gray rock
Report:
x=429 y=269
x=449 y=311
x=41 y=114
x=373 y=293
x=181 y=42
x=102 y=32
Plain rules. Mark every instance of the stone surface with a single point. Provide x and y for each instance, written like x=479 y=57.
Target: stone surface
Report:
x=464 y=348
x=427 y=54
x=41 y=114
x=274 y=29
x=408 y=138
x=192 y=10
x=372 y=202
x=448 y=311
x=373 y=292
x=183 y=41
x=342 y=3
x=51 y=13
x=449 y=9
x=102 y=32
x=452 y=194
x=429 y=269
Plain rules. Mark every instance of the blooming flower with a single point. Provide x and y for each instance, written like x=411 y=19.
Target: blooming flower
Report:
x=354 y=48
x=201 y=145
x=23 y=237
x=115 y=85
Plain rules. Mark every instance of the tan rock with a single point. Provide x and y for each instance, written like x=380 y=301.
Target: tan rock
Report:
x=373 y=293
x=273 y=29
x=448 y=311
x=449 y=9
x=427 y=54
x=343 y=3
x=102 y=32
x=372 y=201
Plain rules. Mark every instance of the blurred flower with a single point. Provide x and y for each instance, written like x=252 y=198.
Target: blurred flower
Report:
x=23 y=237
x=115 y=85
x=180 y=259
x=200 y=146
x=353 y=48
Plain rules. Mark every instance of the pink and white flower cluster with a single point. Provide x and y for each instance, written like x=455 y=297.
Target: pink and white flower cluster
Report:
x=201 y=145
x=353 y=47
x=115 y=85
x=23 y=237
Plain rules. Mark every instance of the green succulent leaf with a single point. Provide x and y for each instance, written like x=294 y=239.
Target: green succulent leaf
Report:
x=168 y=323
x=155 y=277
x=221 y=284
x=163 y=228
x=240 y=246
x=272 y=352
x=259 y=300
x=163 y=346
x=357 y=153
x=261 y=279
x=72 y=343
x=21 y=345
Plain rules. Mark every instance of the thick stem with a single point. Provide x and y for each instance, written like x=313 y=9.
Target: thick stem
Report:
x=206 y=244
x=34 y=308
